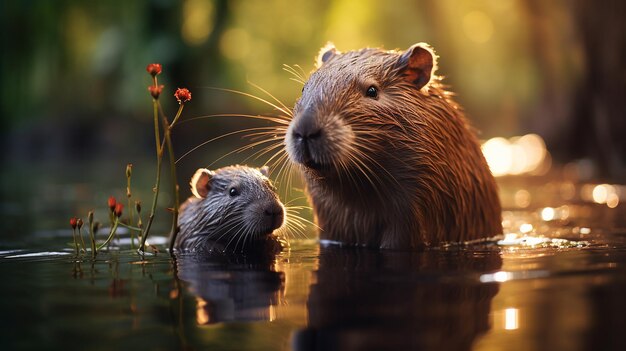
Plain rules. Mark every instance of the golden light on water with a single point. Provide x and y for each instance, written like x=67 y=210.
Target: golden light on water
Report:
x=552 y=214
x=499 y=277
x=548 y=214
x=517 y=155
x=522 y=198
x=511 y=318
x=526 y=228
x=202 y=316
x=612 y=200
x=607 y=194
x=601 y=193
x=272 y=313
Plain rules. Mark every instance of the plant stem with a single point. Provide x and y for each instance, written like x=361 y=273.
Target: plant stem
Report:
x=92 y=236
x=170 y=151
x=155 y=197
x=137 y=229
x=75 y=242
x=180 y=111
x=130 y=209
x=82 y=240
x=113 y=230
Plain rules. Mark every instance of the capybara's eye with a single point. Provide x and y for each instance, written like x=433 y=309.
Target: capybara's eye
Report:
x=233 y=191
x=372 y=92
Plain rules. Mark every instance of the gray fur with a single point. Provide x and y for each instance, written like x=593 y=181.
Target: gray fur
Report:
x=231 y=221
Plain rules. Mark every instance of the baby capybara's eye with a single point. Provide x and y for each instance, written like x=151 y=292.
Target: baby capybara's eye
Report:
x=233 y=191
x=371 y=92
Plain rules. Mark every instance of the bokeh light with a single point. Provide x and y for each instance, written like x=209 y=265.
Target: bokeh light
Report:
x=515 y=156
x=235 y=43
x=197 y=21
x=499 y=157
x=548 y=214
x=478 y=26
x=511 y=318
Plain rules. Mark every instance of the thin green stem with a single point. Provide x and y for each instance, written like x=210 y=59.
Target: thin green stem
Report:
x=170 y=151
x=155 y=197
x=180 y=111
x=92 y=236
x=82 y=240
x=157 y=134
x=75 y=242
x=137 y=229
x=130 y=209
x=111 y=234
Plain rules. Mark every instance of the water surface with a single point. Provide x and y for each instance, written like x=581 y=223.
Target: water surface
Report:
x=556 y=281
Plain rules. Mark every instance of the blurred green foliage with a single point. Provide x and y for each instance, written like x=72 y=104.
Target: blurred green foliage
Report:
x=72 y=57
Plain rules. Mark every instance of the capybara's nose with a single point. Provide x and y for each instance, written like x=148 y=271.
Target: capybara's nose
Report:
x=306 y=127
x=275 y=214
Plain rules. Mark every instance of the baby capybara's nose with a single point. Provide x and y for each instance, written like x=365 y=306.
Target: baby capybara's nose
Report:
x=275 y=214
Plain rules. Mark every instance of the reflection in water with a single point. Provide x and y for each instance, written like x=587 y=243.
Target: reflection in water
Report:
x=376 y=300
x=232 y=287
x=511 y=318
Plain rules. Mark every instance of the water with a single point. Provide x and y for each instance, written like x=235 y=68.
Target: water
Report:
x=557 y=281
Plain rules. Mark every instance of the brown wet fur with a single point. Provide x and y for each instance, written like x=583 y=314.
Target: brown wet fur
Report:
x=401 y=171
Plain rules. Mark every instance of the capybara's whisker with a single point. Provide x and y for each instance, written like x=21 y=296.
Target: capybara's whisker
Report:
x=273 y=98
x=283 y=110
x=303 y=74
x=240 y=149
x=276 y=119
x=300 y=77
x=220 y=137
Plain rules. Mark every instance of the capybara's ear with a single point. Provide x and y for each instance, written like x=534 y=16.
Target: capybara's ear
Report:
x=418 y=64
x=326 y=52
x=265 y=171
x=201 y=182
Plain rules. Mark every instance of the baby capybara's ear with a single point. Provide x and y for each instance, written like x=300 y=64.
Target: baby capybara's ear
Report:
x=265 y=171
x=201 y=183
x=326 y=52
x=418 y=64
